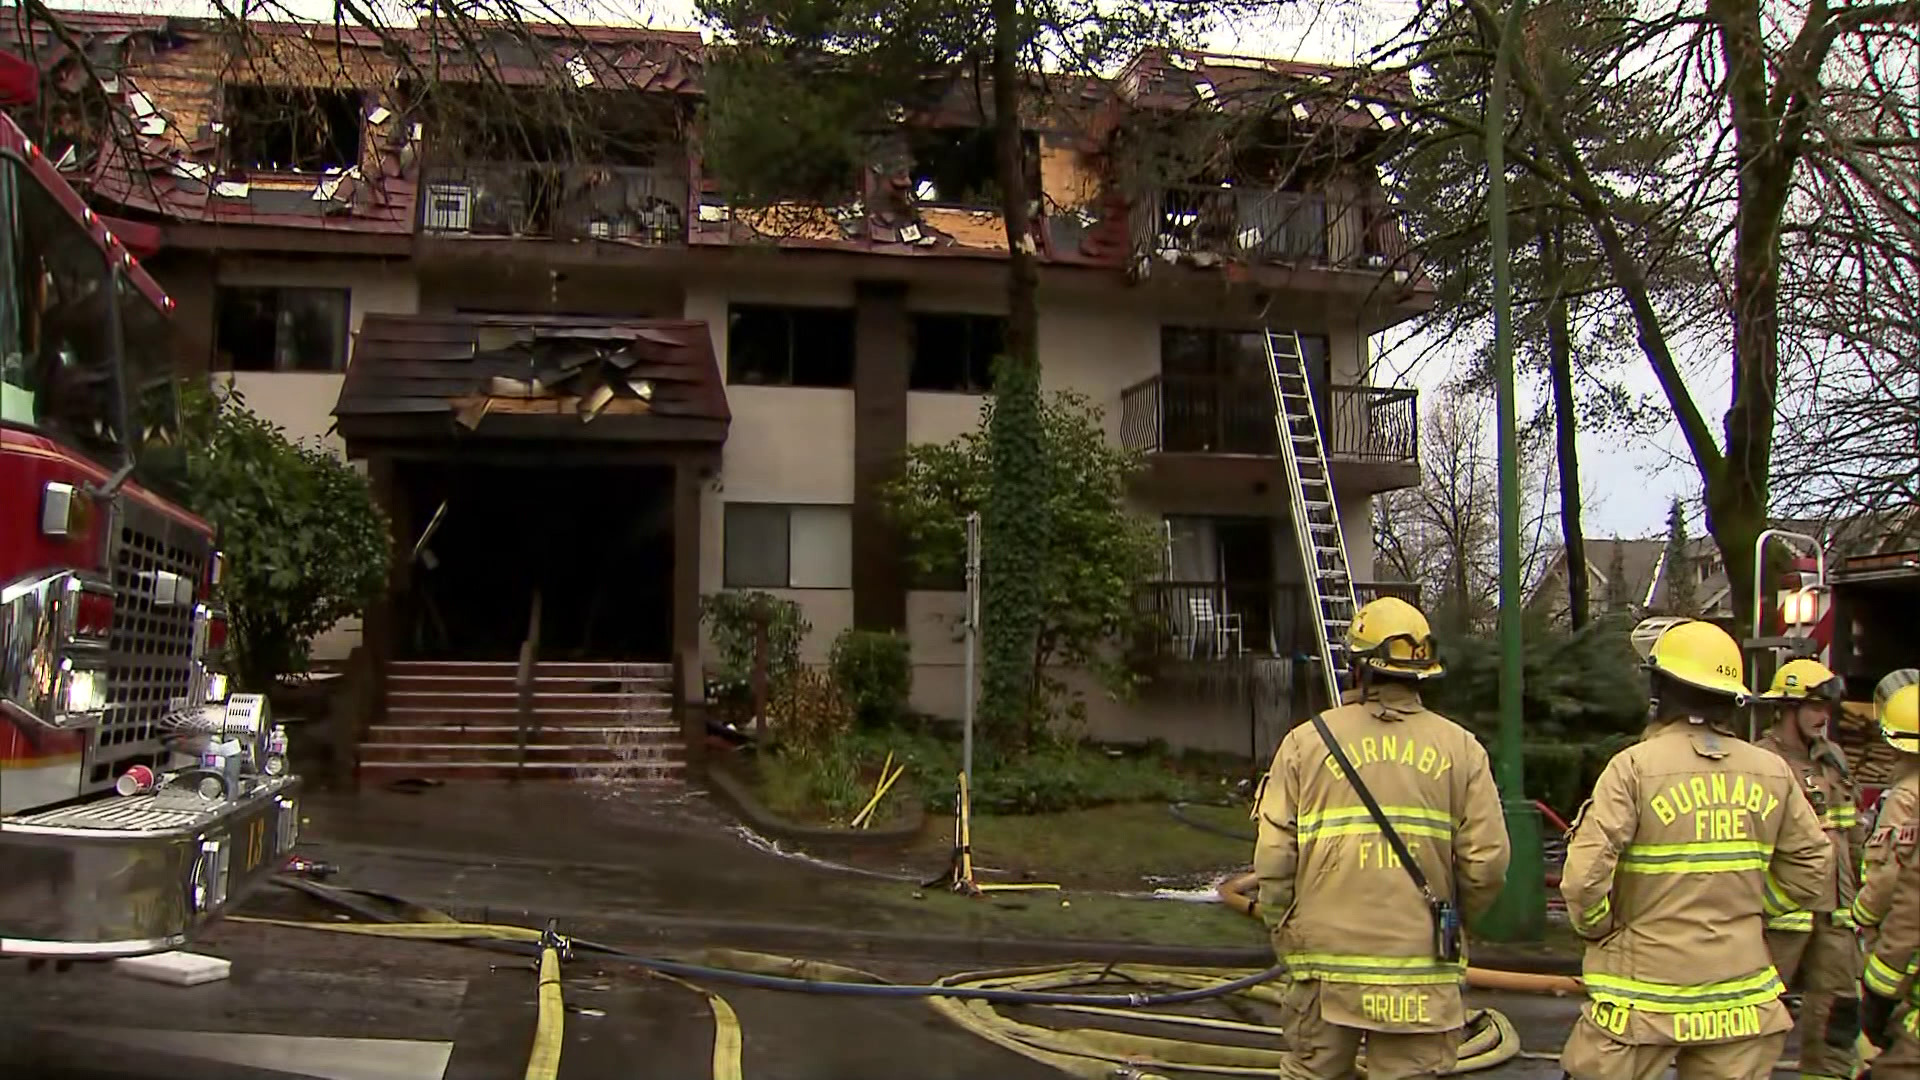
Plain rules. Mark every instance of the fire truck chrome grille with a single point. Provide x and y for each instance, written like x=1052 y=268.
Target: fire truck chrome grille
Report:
x=150 y=661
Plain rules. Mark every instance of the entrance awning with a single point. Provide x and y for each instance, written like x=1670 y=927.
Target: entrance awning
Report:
x=421 y=378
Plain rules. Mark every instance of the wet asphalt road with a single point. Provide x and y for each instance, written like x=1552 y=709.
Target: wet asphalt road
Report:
x=436 y=1011
x=301 y=1003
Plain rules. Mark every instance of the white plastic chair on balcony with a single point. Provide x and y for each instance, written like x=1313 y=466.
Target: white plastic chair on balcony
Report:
x=1220 y=627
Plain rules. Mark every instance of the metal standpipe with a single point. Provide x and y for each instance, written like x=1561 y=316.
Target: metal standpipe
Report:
x=971 y=632
x=1759 y=602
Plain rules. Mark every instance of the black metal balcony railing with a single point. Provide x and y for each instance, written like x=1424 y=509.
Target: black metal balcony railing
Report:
x=1266 y=225
x=1205 y=620
x=560 y=202
x=1176 y=414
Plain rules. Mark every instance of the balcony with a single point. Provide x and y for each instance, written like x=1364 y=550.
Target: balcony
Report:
x=1193 y=426
x=1224 y=620
x=1207 y=225
x=637 y=206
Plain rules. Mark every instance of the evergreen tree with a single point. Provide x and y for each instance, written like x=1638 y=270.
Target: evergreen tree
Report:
x=1682 y=590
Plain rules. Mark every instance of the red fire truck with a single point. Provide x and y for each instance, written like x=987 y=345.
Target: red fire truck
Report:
x=137 y=800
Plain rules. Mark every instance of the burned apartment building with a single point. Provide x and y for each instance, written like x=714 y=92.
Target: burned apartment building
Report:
x=442 y=284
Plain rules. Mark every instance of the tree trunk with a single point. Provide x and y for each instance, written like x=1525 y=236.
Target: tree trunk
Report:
x=1560 y=373
x=1765 y=151
x=1014 y=526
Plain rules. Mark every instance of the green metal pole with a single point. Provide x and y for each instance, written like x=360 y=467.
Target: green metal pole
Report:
x=1521 y=913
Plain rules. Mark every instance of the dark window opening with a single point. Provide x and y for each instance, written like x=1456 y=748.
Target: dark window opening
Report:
x=958 y=167
x=292 y=129
x=557 y=126
x=789 y=346
x=274 y=329
x=956 y=352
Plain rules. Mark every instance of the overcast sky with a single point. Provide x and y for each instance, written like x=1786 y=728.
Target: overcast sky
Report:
x=1628 y=482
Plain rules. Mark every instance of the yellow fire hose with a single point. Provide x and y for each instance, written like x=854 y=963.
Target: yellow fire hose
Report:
x=1091 y=1053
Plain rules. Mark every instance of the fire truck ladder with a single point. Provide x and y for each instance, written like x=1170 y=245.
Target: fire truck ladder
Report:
x=1316 y=523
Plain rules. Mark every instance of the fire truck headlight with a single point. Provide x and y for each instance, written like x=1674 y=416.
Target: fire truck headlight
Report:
x=86 y=692
x=50 y=673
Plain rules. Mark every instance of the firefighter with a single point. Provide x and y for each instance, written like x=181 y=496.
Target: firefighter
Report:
x=1384 y=971
x=1691 y=839
x=1889 y=902
x=1884 y=909
x=1815 y=949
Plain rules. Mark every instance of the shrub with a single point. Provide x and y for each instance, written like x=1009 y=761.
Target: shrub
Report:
x=808 y=714
x=305 y=543
x=875 y=672
x=731 y=618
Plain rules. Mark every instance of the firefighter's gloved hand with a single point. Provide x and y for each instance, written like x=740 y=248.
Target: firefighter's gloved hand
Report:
x=1876 y=1018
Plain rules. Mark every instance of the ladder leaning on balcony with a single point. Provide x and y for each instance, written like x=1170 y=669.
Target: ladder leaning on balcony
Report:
x=1316 y=520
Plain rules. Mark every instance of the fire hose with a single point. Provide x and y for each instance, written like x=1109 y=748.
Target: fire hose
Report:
x=970 y=1000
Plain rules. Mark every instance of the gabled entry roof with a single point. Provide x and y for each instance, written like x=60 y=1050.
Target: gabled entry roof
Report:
x=441 y=377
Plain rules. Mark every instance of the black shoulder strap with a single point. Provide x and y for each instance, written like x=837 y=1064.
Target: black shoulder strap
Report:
x=1373 y=807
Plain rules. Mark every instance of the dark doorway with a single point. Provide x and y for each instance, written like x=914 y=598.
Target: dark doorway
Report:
x=1246 y=565
x=595 y=541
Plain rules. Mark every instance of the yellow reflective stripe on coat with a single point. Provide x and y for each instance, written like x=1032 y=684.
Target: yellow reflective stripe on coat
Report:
x=1862 y=917
x=1840 y=817
x=1800 y=922
x=1844 y=920
x=1881 y=978
x=1383 y=970
x=1355 y=820
x=1701 y=857
x=1773 y=899
x=1758 y=988
x=1593 y=916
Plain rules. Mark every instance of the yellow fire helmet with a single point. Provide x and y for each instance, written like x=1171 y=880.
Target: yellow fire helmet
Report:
x=1391 y=636
x=1701 y=655
x=1804 y=680
x=1897 y=702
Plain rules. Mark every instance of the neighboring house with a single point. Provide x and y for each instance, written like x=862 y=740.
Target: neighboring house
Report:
x=1637 y=576
x=763 y=371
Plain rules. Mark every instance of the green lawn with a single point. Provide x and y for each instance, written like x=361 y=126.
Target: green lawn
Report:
x=1121 y=848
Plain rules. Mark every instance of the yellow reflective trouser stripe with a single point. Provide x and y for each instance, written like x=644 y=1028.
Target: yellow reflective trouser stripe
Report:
x=1881 y=978
x=1355 y=820
x=1758 y=988
x=1592 y=916
x=1341 y=967
x=1705 y=857
x=1798 y=921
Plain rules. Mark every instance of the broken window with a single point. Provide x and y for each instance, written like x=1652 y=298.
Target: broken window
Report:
x=771 y=546
x=292 y=128
x=280 y=329
x=956 y=352
x=958 y=167
x=789 y=346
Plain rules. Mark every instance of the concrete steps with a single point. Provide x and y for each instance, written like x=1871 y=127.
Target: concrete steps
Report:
x=454 y=720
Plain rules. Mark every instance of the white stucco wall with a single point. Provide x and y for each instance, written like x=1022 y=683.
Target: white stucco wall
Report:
x=786 y=445
x=302 y=402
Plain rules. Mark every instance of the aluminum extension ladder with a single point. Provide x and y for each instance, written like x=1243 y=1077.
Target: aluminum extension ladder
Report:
x=1316 y=520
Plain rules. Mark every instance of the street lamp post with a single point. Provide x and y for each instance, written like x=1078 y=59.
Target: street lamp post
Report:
x=1521 y=913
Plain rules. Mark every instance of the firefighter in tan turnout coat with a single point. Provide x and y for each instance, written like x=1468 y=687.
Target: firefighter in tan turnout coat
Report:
x=1356 y=933
x=1690 y=838
x=1888 y=906
x=1815 y=949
